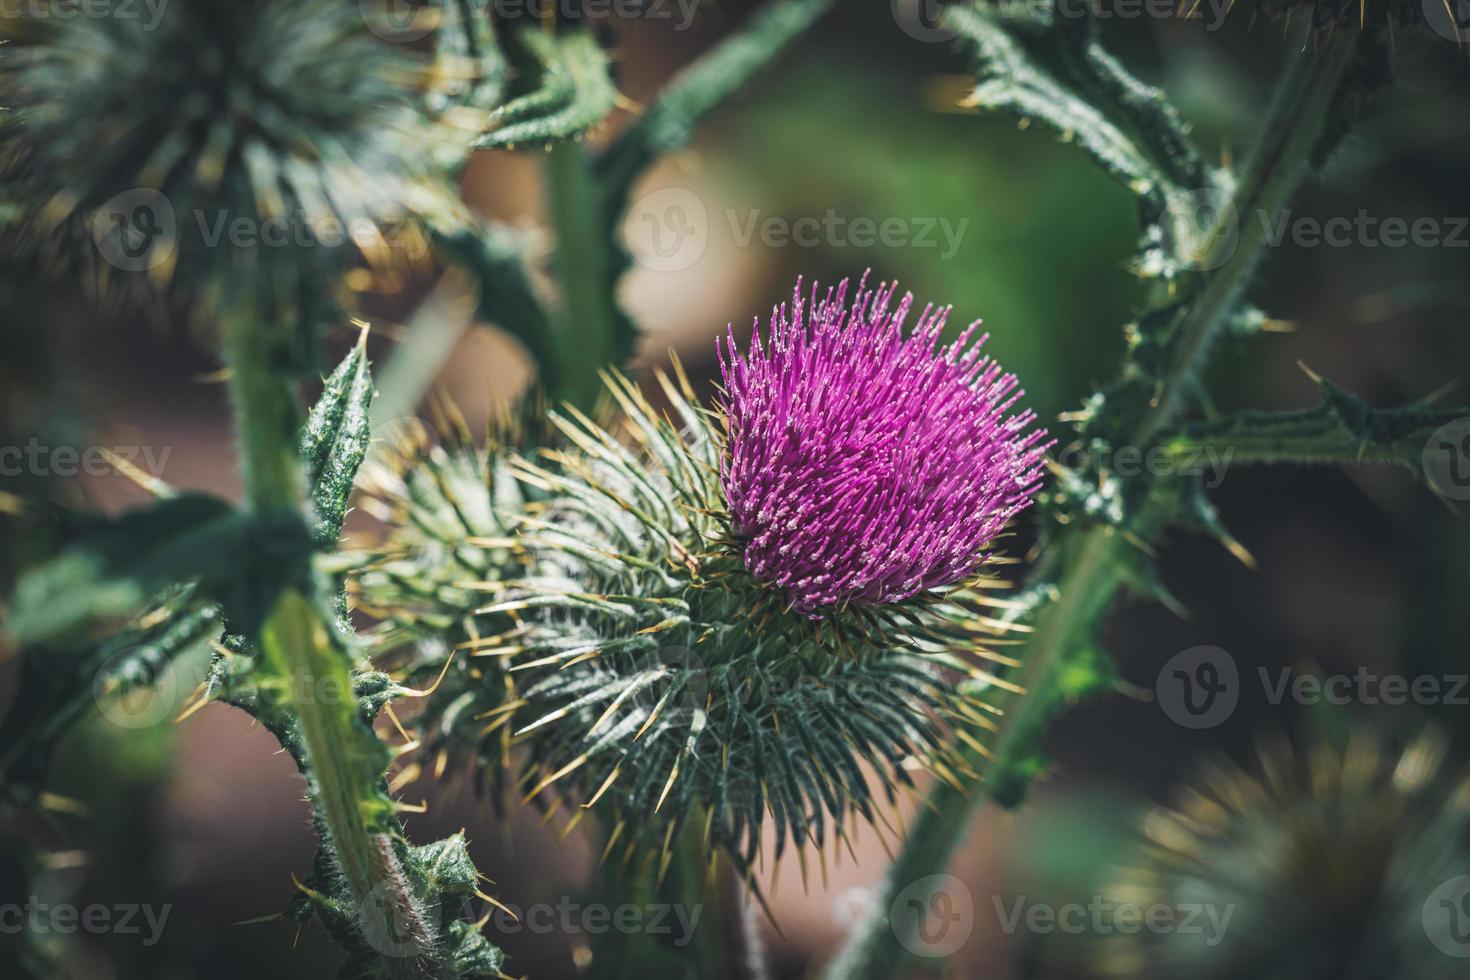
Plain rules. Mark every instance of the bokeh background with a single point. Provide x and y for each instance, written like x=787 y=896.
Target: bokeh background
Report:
x=1356 y=568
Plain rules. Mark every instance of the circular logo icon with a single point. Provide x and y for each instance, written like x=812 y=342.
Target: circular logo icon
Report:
x=922 y=20
x=399 y=21
x=387 y=924
x=851 y=907
x=1446 y=917
x=1214 y=226
x=135 y=688
x=686 y=683
x=667 y=230
x=1450 y=19
x=933 y=916
x=135 y=230
x=1199 y=688
x=1447 y=460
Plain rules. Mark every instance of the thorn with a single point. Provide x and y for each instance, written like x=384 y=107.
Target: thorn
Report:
x=410 y=693
x=57 y=803
x=260 y=921
x=152 y=484
x=393 y=717
x=486 y=898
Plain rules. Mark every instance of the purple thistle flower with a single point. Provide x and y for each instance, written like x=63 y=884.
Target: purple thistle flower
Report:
x=865 y=465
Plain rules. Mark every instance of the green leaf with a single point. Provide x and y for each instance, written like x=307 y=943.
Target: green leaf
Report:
x=117 y=565
x=1341 y=429
x=574 y=91
x=1047 y=66
x=334 y=442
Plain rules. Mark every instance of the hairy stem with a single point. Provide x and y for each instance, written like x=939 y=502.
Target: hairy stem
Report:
x=297 y=634
x=1086 y=569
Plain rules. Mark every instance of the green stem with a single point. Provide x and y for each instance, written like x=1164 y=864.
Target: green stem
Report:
x=1289 y=138
x=297 y=637
x=587 y=329
x=1085 y=590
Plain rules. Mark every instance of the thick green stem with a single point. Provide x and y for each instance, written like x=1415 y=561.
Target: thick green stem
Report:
x=297 y=638
x=588 y=327
x=1085 y=588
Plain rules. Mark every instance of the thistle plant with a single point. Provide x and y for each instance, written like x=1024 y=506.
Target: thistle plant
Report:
x=661 y=641
x=1363 y=826
x=713 y=625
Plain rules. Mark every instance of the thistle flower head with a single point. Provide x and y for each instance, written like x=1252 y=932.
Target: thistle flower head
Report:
x=1366 y=834
x=131 y=147
x=866 y=463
